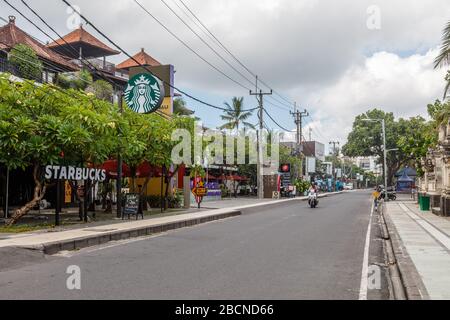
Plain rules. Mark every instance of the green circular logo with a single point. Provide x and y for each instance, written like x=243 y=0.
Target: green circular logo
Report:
x=144 y=93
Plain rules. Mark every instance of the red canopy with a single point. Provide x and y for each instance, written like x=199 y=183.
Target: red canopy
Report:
x=110 y=166
x=142 y=171
x=210 y=177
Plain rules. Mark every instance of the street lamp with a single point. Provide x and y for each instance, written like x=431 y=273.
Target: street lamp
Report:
x=383 y=127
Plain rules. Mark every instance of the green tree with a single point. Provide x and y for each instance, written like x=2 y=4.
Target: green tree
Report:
x=26 y=62
x=235 y=116
x=180 y=108
x=101 y=89
x=443 y=58
x=405 y=134
x=75 y=80
x=40 y=125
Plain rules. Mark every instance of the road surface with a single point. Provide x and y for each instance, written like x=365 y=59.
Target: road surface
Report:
x=291 y=252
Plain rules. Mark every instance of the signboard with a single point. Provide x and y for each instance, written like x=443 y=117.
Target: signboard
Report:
x=144 y=93
x=275 y=195
x=132 y=204
x=199 y=190
x=73 y=173
x=67 y=192
x=310 y=164
x=285 y=170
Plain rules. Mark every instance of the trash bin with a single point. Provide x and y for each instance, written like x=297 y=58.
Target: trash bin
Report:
x=425 y=203
x=419 y=199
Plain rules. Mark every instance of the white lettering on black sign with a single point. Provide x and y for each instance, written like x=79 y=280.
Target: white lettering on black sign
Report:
x=72 y=173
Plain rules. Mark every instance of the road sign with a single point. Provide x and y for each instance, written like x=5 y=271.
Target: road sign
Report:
x=199 y=190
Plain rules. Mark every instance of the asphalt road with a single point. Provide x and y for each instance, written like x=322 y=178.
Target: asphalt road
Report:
x=291 y=252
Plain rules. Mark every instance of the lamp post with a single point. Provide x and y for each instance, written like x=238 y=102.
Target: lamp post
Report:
x=383 y=127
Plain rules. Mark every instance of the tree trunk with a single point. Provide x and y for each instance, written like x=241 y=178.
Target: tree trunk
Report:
x=39 y=193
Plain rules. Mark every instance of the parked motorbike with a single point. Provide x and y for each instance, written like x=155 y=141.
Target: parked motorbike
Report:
x=392 y=195
x=312 y=199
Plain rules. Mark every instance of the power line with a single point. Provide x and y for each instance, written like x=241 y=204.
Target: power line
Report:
x=187 y=46
x=206 y=43
x=232 y=55
x=139 y=64
x=98 y=72
x=273 y=120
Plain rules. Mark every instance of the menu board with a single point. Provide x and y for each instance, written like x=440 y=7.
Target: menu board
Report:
x=131 y=204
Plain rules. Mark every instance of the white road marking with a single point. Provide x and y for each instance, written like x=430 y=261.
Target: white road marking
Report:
x=112 y=244
x=365 y=267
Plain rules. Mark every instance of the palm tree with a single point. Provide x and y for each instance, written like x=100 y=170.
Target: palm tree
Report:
x=235 y=115
x=444 y=56
x=180 y=108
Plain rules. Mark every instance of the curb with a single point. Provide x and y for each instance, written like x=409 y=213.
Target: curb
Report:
x=104 y=237
x=404 y=276
x=88 y=241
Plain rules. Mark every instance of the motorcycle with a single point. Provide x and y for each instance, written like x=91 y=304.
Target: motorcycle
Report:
x=312 y=199
x=392 y=195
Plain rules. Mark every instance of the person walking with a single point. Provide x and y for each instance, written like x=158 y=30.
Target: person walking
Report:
x=376 y=196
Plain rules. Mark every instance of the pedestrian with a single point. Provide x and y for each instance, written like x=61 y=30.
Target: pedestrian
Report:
x=376 y=196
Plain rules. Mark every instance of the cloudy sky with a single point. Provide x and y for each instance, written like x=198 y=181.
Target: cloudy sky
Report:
x=334 y=58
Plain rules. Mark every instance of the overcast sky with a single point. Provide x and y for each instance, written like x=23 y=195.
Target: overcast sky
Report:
x=328 y=56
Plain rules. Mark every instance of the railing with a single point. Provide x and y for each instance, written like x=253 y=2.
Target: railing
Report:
x=6 y=66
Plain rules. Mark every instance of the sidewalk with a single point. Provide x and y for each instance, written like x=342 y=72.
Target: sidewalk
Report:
x=422 y=247
x=72 y=239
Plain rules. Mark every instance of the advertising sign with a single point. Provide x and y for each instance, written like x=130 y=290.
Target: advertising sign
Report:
x=199 y=190
x=73 y=173
x=131 y=204
x=144 y=93
x=311 y=164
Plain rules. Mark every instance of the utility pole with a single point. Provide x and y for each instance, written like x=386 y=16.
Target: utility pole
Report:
x=383 y=126
x=335 y=153
x=259 y=97
x=119 y=166
x=298 y=119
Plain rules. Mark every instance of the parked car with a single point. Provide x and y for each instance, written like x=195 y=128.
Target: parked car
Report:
x=348 y=186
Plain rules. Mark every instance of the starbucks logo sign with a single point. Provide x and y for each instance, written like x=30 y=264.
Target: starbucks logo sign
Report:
x=144 y=93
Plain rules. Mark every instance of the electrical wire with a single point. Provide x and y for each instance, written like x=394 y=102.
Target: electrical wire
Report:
x=206 y=43
x=143 y=66
x=232 y=55
x=274 y=121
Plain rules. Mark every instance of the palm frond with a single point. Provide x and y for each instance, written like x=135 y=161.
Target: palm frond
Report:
x=444 y=56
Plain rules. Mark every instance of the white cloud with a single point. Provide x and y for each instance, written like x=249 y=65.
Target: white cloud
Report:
x=385 y=80
x=318 y=53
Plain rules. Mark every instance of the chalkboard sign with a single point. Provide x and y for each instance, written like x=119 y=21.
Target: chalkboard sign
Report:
x=132 y=205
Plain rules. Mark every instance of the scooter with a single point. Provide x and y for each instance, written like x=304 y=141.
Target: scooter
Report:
x=312 y=199
x=392 y=195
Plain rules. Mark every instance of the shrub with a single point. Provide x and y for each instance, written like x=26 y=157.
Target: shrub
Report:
x=26 y=62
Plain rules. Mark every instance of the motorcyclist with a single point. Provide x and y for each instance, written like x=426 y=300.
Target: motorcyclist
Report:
x=313 y=188
x=313 y=191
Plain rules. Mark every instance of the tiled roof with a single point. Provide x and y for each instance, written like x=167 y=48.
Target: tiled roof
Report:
x=11 y=35
x=142 y=57
x=82 y=36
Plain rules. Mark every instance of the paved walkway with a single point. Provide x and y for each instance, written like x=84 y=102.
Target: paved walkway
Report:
x=426 y=238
